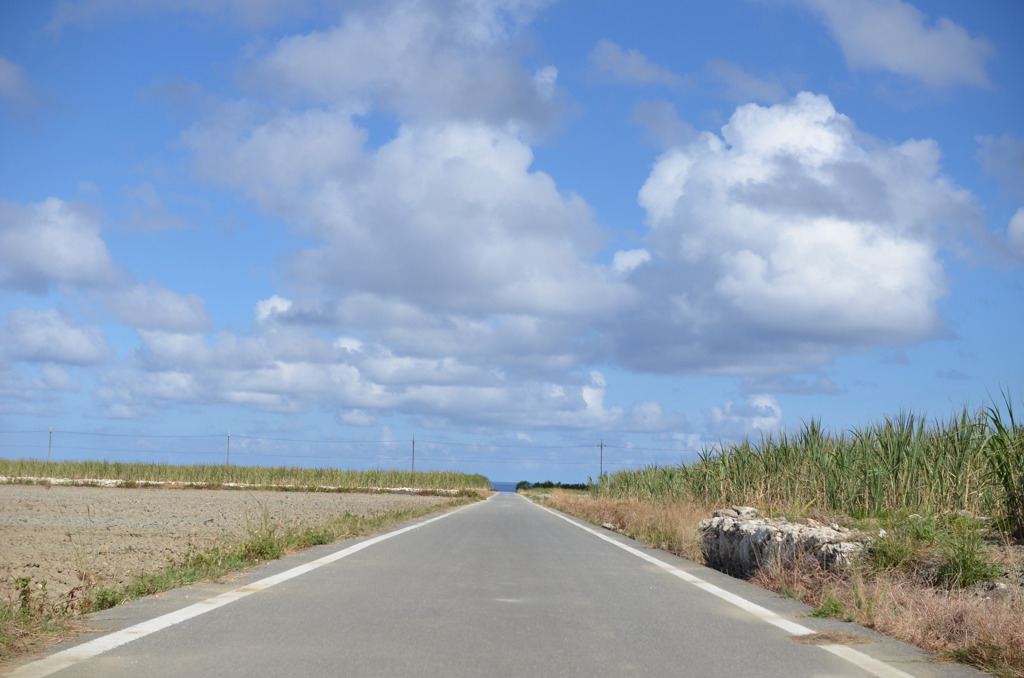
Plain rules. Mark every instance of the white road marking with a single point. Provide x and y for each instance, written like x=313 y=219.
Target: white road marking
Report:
x=71 y=656
x=859 y=659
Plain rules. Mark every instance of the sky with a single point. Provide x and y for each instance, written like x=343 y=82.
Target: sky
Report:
x=532 y=239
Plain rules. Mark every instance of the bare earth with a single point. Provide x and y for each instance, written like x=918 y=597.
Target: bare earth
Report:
x=69 y=536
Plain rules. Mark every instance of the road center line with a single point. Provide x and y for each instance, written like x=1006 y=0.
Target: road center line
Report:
x=859 y=659
x=79 y=653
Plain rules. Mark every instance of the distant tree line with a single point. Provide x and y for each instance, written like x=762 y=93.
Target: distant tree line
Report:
x=547 y=485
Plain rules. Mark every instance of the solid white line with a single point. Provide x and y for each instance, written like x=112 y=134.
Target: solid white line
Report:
x=71 y=656
x=863 y=661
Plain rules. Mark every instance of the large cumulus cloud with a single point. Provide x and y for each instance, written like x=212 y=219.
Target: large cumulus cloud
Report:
x=790 y=237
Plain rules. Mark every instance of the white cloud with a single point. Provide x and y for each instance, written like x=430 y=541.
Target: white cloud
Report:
x=625 y=261
x=350 y=344
x=163 y=350
x=172 y=385
x=357 y=418
x=51 y=337
x=451 y=218
x=49 y=243
x=121 y=411
x=57 y=378
x=39 y=396
x=459 y=222
x=266 y=308
x=518 y=343
x=649 y=415
x=279 y=161
x=894 y=36
x=441 y=241
x=789 y=238
x=546 y=79
x=153 y=307
x=391 y=369
x=1015 y=232
x=359 y=385
x=732 y=420
x=629 y=66
x=422 y=60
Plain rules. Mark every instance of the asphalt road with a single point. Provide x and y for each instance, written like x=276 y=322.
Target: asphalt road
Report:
x=499 y=588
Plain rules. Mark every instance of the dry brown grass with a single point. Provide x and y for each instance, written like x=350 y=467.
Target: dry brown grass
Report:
x=984 y=632
x=959 y=625
x=963 y=626
x=831 y=638
x=671 y=527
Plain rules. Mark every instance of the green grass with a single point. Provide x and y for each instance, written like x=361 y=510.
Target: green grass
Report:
x=264 y=540
x=947 y=551
x=830 y=607
x=973 y=461
x=139 y=475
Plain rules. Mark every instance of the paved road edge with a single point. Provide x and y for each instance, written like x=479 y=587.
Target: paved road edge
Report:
x=79 y=653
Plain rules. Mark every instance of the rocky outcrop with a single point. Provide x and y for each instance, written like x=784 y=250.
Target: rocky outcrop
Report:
x=736 y=541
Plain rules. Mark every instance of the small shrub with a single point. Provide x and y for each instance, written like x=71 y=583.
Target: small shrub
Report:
x=964 y=565
x=262 y=541
x=312 y=536
x=830 y=606
x=891 y=552
x=105 y=598
x=24 y=585
x=964 y=562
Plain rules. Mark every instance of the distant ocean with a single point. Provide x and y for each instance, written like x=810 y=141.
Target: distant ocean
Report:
x=503 y=487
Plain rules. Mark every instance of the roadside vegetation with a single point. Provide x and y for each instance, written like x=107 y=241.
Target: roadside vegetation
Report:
x=34 y=617
x=548 y=485
x=218 y=476
x=944 y=498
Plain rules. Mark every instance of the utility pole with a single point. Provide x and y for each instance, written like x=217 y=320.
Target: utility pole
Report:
x=227 y=459
x=601 y=475
x=414 y=454
x=49 y=446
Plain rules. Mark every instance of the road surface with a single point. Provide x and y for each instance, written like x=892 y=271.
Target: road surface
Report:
x=498 y=588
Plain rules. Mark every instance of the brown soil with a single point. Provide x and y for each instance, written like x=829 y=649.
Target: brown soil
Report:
x=74 y=536
x=832 y=638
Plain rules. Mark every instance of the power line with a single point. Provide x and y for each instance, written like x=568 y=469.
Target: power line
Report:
x=317 y=440
x=134 y=435
x=343 y=448
x=509 y=446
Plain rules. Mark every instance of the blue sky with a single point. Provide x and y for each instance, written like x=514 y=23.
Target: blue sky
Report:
x=509 y=229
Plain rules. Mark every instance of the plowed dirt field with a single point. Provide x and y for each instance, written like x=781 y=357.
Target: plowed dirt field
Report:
x=75 y=536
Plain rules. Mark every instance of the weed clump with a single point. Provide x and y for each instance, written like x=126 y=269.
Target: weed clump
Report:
x=30 y=617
